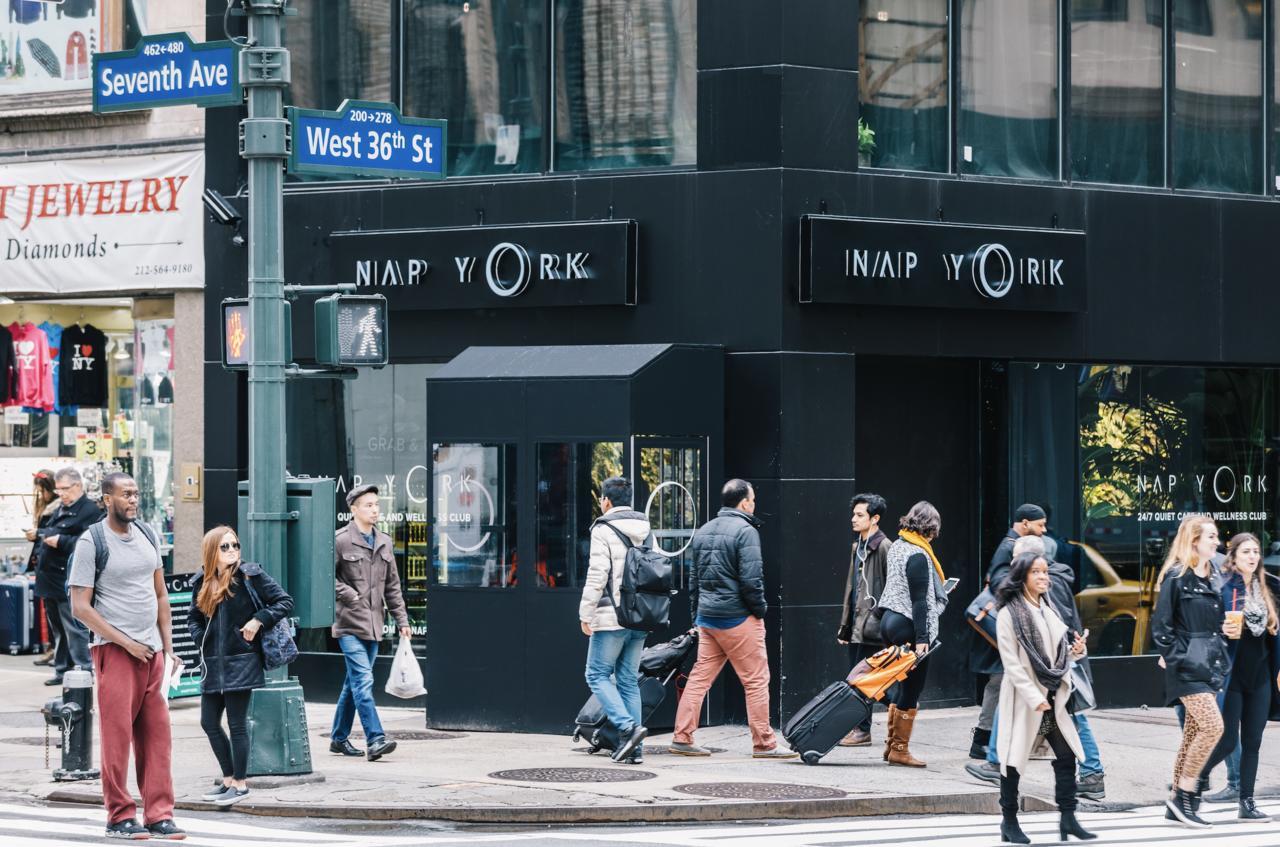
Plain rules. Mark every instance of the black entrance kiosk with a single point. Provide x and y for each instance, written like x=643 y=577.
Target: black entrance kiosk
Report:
x=519 y=440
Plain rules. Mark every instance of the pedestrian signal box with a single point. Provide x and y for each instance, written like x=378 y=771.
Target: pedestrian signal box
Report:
x=237 y=334
x=351 y=330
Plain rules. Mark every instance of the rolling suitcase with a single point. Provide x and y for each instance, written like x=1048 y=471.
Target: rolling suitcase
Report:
x=823 y=721
x=599 y=732
x=16 y=615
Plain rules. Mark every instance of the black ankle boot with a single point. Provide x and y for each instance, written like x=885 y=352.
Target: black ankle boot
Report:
x=1068 y=825
x=978 y=747
x=1202 y=785
x=1249 y=811
x=1010 y=832
x=1178 y=808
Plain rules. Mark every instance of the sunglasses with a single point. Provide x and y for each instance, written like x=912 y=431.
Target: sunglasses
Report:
x=224 y=547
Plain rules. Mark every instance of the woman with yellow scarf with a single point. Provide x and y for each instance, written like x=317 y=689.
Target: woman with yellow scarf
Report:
x=913 y=598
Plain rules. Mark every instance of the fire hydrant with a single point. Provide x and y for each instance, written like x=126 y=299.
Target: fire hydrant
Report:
x=73 y=715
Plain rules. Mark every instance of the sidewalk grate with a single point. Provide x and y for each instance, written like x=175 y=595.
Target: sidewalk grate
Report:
x=760 y=791
x=574 y=775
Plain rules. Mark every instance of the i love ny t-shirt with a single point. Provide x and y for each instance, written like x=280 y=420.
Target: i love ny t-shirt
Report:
x=33 y=369
x=82 y=368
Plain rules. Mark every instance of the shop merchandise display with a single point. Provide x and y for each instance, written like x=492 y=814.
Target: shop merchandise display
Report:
x=33 y=368
x=82 y=377
x=6 y=364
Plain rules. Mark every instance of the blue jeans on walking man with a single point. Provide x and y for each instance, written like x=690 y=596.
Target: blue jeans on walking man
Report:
x=357 y=691
x=613 y=670
x=1092 y=763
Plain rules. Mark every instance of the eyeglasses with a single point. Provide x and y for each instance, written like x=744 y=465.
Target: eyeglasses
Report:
x=62 y=489
x=224 y=547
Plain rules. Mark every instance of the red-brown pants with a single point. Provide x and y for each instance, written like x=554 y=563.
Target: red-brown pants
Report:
x=132 y=711
x=743 y=647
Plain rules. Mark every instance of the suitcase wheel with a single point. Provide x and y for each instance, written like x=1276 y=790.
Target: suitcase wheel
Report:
x=577 y=736
x=811 y=757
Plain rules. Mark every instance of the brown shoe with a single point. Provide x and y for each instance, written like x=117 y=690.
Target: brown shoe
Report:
x=901 y=724
x=856 y=738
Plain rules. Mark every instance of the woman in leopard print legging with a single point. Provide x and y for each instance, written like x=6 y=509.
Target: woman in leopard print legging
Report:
x=1188 y=630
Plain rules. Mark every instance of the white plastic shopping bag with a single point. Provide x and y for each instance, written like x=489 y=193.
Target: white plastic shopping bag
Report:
x=405 y=680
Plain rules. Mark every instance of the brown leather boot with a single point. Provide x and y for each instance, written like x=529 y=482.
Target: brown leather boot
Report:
x=888 y=735
x=856 y=738
x=900 y=729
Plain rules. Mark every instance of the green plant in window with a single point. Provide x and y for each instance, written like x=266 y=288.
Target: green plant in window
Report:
x=866 y=139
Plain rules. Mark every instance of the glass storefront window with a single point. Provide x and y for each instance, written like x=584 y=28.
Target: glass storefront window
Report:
x=1008 y=119
x=340 y=50
x=1117 y=94
x=903 y=61
x=483 y=67
x=626 y=83
x=473 y=517
x=1118 y=454
x=1217 y=120
x=570 y=477
x=671 y=483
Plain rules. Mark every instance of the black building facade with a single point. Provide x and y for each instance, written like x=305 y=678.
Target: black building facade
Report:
x=1040 y=284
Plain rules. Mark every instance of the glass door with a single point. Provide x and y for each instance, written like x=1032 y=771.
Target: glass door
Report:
x=671 y=490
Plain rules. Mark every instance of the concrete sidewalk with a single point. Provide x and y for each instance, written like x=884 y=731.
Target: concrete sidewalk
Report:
x=454 y=776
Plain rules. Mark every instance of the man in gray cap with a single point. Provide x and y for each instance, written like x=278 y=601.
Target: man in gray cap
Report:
x=367 y=584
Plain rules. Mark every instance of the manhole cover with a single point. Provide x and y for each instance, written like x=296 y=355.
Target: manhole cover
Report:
x=660 y=750
x=759 y=791
x=409 y=735
x=21 y=719
x=574 y=775
x=33 y=741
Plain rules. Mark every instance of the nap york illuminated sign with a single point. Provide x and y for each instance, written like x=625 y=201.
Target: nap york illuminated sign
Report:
x=167 y=70
x=366 y=139
x=907 y=263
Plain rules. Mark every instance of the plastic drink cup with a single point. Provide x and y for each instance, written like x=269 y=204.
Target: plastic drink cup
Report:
x=1238 y=619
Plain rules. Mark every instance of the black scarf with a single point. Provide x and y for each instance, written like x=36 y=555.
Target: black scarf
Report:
x=1024 y=627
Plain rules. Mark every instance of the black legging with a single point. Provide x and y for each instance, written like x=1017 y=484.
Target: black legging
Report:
x=1064 y=776
x=1244 y=717
x=233 y=755
x=896 y=628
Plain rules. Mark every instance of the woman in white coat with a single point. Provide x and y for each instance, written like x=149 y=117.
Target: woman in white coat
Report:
x=1036 y=649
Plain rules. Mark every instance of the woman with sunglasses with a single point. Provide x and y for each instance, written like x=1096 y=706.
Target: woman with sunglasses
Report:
x=234 y=601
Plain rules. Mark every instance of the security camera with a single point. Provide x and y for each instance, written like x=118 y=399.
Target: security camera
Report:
x=220 y=209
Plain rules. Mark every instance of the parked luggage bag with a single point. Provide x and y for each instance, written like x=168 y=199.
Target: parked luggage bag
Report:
x=823 y=721
x=16 y=612
x=876 y=674
x=599 y=732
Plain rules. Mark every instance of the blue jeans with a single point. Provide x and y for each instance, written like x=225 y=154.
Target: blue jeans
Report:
x=613 y=670
x=357 y=691
x=1092 y=762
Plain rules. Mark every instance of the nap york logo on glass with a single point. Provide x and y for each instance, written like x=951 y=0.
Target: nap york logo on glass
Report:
x=850 y=260
x=167 y=70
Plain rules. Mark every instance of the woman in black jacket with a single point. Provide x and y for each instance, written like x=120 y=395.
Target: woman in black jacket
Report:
x=225 y=621
x=1254 y=647
x=1188 y=629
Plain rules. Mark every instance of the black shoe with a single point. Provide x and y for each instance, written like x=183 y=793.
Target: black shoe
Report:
x=128 y=829
x=978 y=747
x=1226 y=795
x=217 y=793
x=1068 y=825
x=57 y=680
x=380 y=748
x=1178 y=808
x=231 y=797
x=344 y=748
x=986 y=772
x=636 y=758
x=166 y=829
x=628 y=742
x=1202 y=785
x=1249 y=811
x=44 y=663
x=1010 y=832
x=1092 y=787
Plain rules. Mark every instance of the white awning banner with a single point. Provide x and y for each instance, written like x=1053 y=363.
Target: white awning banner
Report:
x=90 y=226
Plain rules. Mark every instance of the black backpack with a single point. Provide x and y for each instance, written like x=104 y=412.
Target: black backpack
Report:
x=645 y=592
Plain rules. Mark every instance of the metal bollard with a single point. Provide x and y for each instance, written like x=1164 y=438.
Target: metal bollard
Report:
x=73 y=715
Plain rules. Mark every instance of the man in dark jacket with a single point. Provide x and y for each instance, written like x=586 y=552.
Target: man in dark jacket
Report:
x=726 y=594
x=868 y=562
x=1028 y=519
x=57 y=542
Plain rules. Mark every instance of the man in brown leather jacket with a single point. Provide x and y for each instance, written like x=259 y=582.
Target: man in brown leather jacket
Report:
x=860 y=624
x=367 y=585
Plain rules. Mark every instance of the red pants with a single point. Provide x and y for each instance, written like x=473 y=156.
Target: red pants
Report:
x=743 y=647
x=132 y=709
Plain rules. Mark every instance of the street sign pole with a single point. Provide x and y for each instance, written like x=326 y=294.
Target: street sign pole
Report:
x=277 y=716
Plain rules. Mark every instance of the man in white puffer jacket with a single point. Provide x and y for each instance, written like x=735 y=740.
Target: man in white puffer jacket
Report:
x=613 y=654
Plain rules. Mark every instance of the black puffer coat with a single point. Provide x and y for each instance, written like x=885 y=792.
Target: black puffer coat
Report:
x=230 y=662
x=1187 y=630
x=728 y=570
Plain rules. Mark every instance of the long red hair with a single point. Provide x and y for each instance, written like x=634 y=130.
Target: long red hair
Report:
x=216 y=586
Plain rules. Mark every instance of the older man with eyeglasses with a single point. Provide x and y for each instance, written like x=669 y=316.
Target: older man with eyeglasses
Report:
x=74 y=515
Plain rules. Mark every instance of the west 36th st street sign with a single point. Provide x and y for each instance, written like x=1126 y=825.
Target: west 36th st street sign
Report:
x=365 y=138
x=167 y=70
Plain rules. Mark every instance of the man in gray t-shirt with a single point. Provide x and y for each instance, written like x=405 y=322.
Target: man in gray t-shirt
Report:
x=125 y=594
x=126 y=607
